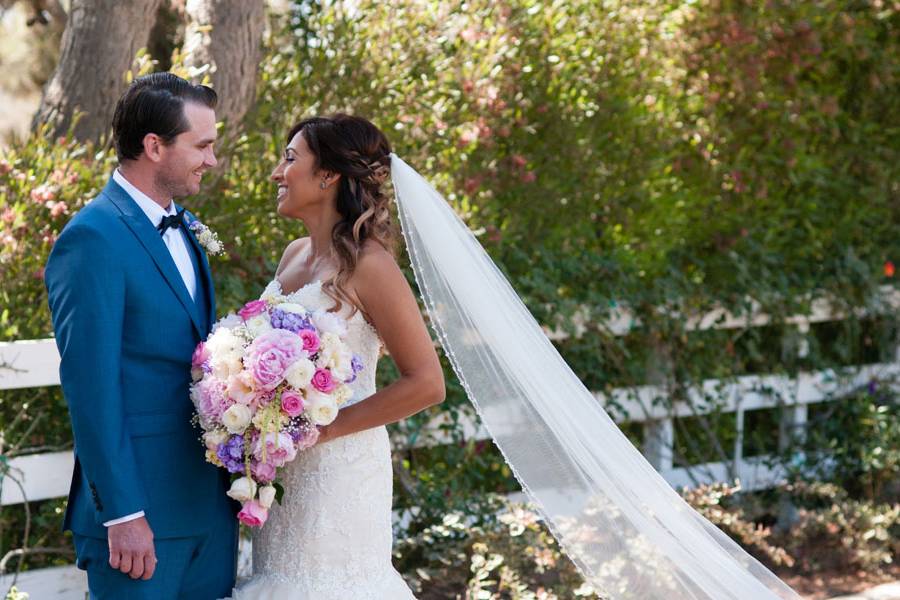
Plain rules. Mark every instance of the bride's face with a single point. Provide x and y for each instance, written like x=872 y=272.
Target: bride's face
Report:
x=299 y=182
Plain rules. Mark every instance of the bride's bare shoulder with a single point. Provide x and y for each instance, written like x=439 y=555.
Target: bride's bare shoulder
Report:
x=376 y=272
x=375 y=260
x=290 y=252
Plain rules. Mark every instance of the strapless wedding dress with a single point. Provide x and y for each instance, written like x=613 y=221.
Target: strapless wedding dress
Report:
x=331 y=537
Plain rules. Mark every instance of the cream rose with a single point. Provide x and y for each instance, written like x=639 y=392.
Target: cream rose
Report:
x=321 y=408
x=258 y=325
x=299 y=374
x=213 y=438
x=343 y=394
x=242 y=489
x=266 y=496
x=236 y=418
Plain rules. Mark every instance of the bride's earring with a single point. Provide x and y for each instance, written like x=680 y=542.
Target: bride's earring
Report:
x=323 y=185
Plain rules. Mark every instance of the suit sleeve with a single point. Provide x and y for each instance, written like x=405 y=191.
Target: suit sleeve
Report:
x=86 y=290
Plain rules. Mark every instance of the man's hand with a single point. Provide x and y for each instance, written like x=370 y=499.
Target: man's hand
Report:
x=131 y=548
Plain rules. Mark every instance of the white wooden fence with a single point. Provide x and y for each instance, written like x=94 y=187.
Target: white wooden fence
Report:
x=35 y=363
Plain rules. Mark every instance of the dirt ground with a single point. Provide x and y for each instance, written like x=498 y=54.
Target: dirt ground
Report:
x=830 y=584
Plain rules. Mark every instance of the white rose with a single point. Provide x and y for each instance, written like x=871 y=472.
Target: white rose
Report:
x=342 y=394
x=291 y=307
x=331 y=343
x=327 y=322
x=266 y=496
x=321 y=408
x=259 y=324
x=242 y=489
x=300 y=373
x=236 y=418
x=213 y=438
x=342 y=364
x=222 y=341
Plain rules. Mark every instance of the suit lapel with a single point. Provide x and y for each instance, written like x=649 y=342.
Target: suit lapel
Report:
x=152 y=242
x=205 y=274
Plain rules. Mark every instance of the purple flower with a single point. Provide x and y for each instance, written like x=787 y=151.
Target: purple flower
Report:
x=231 y=453
x=356 y=364
x=291 y=321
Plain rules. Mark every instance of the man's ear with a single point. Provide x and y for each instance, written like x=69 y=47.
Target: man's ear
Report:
x=153 y=145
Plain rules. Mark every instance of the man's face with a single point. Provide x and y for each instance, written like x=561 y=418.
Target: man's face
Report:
x=184 y=161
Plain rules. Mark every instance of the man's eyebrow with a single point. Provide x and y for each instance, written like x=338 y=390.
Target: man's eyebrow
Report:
x=206 y=141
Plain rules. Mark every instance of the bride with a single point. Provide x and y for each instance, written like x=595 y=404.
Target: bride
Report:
x=331 y=536
x=629 y=533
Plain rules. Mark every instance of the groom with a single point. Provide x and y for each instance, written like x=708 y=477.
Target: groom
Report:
x=131 y=296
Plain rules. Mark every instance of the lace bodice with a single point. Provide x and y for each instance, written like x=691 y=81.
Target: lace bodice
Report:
x=361 y=336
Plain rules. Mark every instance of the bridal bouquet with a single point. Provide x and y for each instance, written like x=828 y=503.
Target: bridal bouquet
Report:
x=263 y=382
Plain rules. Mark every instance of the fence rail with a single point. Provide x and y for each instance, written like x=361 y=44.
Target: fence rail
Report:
x=35 y=363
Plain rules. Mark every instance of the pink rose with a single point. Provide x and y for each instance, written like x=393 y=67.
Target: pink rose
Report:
x=323 y=381
x=269 y=356
x=279 y=449
x=253 y=308
x=262 y=472
x=310 y=340
x=253 y=514
x=200 y=356
x=292 y=403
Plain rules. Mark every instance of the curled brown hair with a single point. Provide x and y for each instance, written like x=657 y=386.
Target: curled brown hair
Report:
x=357 y=150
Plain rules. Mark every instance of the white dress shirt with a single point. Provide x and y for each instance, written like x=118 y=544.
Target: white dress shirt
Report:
x=173 y=238
x=175 y=242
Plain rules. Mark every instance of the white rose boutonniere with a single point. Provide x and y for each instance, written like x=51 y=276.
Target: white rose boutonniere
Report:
x=207 y=238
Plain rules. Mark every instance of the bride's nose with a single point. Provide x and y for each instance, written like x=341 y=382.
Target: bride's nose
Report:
x=276 y=174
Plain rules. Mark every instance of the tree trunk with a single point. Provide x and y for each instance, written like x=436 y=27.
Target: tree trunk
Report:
x=227 y=36
x=98 y=47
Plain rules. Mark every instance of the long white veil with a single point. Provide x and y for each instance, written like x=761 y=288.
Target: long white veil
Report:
x=631 y=535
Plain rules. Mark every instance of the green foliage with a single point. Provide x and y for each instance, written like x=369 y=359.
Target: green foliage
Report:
x=835 y=531
x=501 y=553
x=855 y=443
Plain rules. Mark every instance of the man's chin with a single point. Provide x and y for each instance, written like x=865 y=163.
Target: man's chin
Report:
x=189 y=189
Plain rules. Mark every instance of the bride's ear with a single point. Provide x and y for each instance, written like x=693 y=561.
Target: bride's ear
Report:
x=329 y=178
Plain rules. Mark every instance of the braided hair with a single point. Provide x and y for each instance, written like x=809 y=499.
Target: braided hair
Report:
x=357 y=150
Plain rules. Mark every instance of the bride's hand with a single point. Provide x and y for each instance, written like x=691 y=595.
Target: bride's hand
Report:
x=326 y=434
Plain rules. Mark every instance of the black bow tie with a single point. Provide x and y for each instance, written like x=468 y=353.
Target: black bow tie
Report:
x=174 y=221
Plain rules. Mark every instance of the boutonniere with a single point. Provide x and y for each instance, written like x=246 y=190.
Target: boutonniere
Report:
x=206 y=237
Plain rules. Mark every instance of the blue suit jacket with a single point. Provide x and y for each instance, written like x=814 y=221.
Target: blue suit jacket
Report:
x=126 y=327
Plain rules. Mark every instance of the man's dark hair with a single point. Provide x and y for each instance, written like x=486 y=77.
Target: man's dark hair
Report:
x=155 y=104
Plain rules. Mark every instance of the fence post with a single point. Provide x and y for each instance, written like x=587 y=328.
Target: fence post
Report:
x=659 y=434
x=792 y=429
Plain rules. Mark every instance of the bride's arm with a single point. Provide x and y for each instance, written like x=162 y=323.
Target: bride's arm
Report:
x=387 y=298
